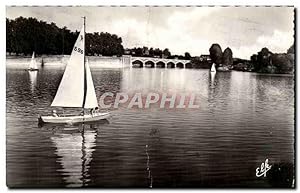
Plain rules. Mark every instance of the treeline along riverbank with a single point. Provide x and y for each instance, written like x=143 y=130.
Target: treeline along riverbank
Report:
x=263 y=62
x=25 y=35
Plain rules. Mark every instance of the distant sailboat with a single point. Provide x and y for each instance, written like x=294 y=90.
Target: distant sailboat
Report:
x=213 y=68
x=76 y=88
x=33 y=64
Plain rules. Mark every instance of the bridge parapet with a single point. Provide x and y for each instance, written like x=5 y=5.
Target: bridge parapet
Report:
x=161 y=62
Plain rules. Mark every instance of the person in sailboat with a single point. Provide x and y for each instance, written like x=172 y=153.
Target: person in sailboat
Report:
x=94 y=110
x=54 y=114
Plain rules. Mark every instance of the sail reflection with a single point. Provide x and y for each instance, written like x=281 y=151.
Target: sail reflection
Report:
x=147 y=80
x=212 y=76
x=74 y=148
x=33 y=79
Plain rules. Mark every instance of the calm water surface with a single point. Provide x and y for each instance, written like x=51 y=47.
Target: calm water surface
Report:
x=243 y=119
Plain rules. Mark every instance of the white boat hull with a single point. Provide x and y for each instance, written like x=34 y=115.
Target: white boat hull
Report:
x=74 y=119
x=32 y=69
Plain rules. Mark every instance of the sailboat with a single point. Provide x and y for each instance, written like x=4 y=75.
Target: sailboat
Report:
x=76 y=89
x=213 y=68
x=33 y=64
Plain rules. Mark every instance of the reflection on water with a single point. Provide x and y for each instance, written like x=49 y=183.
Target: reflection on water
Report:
x=74 y=152
x=74 y=145
x=160 y=80
x=212 y=78
x=243 y=119
x=33 y=79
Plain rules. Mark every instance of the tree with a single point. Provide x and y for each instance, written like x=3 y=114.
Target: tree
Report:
x=138 y=51
x=267 y=62
x=254 y=60
x=25 y=35
x=166 y=53
x=283 y=63
x=227 y=59
x=263 y=60
x=145 y=51
x=215 y=52
x=10 y=36
x=187 y=56
x=151 y=52
x=291 y=50
x=157 y=52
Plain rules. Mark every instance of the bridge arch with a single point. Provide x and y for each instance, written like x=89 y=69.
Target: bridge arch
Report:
x=179 y=65
x=149 y=64
x=160 y=64
x=188 y=65
x=170 y=65
x=137 y=64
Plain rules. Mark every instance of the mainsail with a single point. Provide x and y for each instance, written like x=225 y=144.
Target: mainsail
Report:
x=33 y=64
x=76 y=88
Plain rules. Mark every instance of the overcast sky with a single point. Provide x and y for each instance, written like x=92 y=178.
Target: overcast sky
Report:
x=181 y=29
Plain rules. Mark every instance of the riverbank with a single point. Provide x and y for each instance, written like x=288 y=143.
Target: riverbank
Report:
x=61 y=60
x=125 y=62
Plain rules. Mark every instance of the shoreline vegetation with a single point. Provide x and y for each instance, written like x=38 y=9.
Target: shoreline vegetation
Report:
x=25 y=35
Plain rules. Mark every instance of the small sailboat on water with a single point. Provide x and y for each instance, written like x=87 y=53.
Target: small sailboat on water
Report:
x=213 y=68
x=76 y=89
x=33 y=64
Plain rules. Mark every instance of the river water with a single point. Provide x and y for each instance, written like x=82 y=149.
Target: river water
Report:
x=242 y=120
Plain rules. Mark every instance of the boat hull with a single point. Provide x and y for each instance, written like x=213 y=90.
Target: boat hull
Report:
x=75 y=118
x=32 y=69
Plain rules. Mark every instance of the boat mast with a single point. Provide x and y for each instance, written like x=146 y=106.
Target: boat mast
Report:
x=84 y=41
x=84 y=64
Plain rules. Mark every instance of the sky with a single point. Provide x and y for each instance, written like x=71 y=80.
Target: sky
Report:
x=246 y=30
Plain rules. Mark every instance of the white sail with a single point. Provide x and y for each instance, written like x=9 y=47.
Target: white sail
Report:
x=33 y=64
x=76 y=88
x=213 y=68
x=90 y=99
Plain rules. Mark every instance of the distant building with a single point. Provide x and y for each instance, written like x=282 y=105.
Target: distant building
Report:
x=127 y=51
x=204 y=57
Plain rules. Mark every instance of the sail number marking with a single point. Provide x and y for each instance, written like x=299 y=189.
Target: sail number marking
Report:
x=78 y=50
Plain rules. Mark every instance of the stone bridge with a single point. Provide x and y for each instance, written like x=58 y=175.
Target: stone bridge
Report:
x=159 y=62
